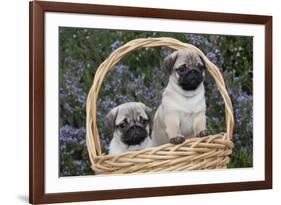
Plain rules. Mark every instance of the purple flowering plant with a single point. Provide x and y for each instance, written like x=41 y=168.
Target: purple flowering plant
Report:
x=140 y=76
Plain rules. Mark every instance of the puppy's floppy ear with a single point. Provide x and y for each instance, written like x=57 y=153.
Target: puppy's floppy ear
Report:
x=148 y=112
x=169 y=61
x=203 y=62
x=111 y=117
x=146 y=109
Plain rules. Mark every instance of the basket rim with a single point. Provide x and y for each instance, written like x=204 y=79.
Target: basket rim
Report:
x=185 y=156
x=229 y=145
x=92 y=135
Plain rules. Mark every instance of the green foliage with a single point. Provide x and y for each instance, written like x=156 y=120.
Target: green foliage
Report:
x=139 y=76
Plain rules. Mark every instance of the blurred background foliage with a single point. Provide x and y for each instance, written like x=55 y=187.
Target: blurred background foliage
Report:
x=139 y=76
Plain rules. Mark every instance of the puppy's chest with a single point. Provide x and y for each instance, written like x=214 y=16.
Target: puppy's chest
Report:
x=186 y=107
x=186 y=123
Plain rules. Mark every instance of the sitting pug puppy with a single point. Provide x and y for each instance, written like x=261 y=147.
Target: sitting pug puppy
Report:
x=181 y=114
x=131 y=127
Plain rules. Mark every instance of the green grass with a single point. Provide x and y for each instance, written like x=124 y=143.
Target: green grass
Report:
x=240 y=158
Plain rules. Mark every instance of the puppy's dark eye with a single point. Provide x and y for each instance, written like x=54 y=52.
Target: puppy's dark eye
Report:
x=143 y=121
x=123 y=124
x=181 y=69
x=201 y=67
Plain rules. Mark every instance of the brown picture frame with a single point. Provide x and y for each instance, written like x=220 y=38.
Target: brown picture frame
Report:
x=37 y=10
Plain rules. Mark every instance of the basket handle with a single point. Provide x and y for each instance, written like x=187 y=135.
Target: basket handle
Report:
x=92 y=135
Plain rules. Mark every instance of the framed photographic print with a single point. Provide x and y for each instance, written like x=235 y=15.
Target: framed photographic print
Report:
x=138 y=102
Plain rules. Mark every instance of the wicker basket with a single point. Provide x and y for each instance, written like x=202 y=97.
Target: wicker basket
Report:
x=208 y=152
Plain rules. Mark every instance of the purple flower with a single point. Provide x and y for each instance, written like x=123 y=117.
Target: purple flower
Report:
x=116 y=44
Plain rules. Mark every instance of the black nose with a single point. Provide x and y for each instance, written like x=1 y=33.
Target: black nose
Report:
x=193 y=71
x=134 y=135
x=135 y=130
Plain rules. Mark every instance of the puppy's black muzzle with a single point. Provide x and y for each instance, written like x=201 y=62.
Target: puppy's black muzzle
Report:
x=191 y=79
x=134 y=135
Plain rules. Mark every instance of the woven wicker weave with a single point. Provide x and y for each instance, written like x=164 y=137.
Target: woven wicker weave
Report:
x=208 y=152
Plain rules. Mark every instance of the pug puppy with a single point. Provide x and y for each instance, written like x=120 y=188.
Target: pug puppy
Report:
x=131 y=126
x=181 y=114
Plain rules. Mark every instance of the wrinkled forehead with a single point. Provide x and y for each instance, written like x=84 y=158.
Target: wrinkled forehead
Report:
x=131 y=113
x=187 y=57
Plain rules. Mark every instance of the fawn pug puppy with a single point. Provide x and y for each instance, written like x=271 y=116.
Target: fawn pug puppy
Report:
x=131 y=125
x=181 y=114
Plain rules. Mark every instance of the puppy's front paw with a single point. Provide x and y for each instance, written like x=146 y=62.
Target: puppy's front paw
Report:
x=177 y=140
x=202 y=133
